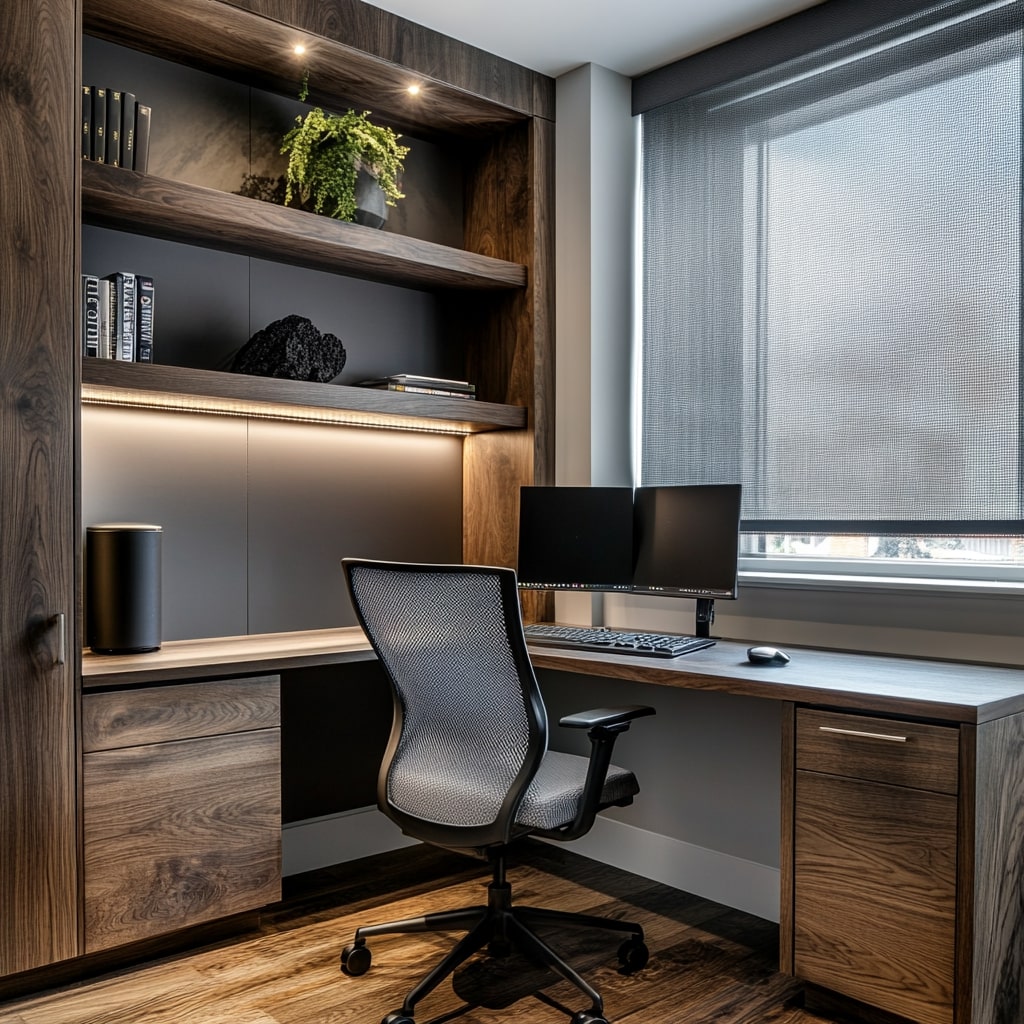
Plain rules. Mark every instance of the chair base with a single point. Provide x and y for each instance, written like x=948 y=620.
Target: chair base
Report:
x=504 y=928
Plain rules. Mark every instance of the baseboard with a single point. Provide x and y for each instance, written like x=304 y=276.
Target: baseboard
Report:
x=733 y=881
x=337 y=838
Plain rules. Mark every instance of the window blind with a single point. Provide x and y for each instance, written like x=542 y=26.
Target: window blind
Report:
x=831 y=299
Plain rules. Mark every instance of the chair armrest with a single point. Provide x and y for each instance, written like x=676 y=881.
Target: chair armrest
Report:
x=604 y=725
x=606 y=718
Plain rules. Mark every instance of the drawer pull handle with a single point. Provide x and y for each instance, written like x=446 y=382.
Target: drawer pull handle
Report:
x=864 y=735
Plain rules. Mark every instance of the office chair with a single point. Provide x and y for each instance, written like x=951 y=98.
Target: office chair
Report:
x=467 y=766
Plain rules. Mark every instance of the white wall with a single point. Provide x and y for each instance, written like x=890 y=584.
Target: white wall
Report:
x=692 y=840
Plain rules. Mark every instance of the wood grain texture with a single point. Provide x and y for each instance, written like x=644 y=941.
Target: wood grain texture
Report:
x=707 y=964
x=508 y=214
x=142 y=203
x=920 y=755
x=233 y=42
x=110 y=381
x=260 y=652
x=875 y=893
x=412 y=46
x=998 y=977
x=158 y=714
x=39 y=78
x=179 y=833
x=939 y=690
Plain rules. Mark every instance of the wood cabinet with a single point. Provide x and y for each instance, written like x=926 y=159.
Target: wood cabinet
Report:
x=875 y=861
x=181 y=806
x=38 y=630
x=497 y=291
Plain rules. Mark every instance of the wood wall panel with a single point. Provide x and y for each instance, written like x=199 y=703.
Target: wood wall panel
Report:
x=39 y=158
x=998 y=982
x=508 y=215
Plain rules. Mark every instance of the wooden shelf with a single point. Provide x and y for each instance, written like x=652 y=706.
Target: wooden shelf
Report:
x=226 y=40
x=106 y=381
x=161 y=208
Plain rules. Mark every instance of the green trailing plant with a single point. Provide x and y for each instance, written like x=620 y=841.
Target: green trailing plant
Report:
x=326 y=152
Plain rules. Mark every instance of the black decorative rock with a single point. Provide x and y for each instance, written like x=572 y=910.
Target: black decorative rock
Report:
x=291 y=348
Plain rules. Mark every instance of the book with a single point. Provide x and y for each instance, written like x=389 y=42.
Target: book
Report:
x=422 y=385
x=128 y=130
x=99 y=124
x=144 y=319
x=143 y=120
x=114 y=127
x=106 y=334
x=90 y=315
x=86 y=122
x=123 y=315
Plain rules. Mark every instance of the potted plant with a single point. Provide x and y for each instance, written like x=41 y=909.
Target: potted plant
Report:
x=343 y=166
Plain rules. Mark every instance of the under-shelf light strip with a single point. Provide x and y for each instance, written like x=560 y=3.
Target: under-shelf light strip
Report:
x=93 y=394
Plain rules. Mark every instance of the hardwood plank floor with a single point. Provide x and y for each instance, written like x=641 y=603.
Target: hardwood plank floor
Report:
x=708 y=963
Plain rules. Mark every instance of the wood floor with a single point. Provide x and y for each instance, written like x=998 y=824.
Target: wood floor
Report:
x=708 y=963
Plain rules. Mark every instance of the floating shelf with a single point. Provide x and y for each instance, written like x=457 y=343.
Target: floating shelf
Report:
x=146 y=385
x=161 y=208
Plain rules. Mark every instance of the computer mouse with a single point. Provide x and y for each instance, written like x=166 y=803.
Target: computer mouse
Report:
x=766 y=656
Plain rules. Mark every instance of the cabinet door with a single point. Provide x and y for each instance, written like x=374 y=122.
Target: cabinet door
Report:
x=38 y=298
x=875 y=864
x=179 y=833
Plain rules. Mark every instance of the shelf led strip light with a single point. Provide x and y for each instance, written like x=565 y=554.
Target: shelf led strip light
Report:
x=98 y=394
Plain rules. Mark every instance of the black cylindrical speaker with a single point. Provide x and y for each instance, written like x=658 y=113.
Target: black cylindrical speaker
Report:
x=122 y=587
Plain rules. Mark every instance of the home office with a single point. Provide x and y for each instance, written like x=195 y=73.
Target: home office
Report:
x=445 y=498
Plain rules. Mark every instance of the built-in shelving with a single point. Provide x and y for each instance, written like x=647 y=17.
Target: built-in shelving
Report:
x=226 y=40
x=160 y=208
x=145 y=385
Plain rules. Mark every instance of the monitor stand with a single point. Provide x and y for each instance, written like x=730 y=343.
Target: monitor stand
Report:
x=705 y=616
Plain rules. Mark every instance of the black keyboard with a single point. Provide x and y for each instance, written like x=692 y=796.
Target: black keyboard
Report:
x=597 y=638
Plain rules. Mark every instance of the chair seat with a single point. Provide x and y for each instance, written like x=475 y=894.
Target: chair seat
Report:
x=553 y=797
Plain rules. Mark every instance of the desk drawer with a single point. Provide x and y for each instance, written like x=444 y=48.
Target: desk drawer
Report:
x=160 y=714
x=901 y=753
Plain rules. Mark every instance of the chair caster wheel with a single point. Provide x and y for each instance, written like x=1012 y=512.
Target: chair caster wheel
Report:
x=355 y=959
x=398 y=1018
x=633 y=955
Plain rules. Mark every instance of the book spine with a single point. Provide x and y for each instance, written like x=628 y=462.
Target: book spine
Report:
x=123 y=315
x=114 y=127
x=99 y=124
x=143 y=121
x=86 y=122
x=128 y=130
x=414 y=389
x=90 y=315
x=106 y=340
x=144 y=319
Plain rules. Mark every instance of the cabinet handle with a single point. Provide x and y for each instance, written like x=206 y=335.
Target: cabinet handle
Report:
x=61 y=656
x=864 y=735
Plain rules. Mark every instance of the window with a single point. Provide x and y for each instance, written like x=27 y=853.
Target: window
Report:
x=831 y=296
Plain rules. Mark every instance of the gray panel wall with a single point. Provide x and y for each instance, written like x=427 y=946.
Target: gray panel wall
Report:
x=256 y=515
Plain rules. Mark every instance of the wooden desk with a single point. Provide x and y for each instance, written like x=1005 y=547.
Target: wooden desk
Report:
x=902 y=815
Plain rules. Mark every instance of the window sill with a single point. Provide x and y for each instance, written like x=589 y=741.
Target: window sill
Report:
x=836 y=581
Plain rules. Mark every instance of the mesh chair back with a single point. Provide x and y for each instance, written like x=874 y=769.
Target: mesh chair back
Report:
x=470 y=728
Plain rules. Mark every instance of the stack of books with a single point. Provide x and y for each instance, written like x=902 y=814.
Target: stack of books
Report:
x=115 y=128
x=422 y=385
x=117 y=317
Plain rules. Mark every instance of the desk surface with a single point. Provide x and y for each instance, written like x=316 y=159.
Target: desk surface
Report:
x=942 y=690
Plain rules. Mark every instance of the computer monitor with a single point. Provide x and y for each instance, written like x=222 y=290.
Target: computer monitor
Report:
x=575 y=538
x=681 y=541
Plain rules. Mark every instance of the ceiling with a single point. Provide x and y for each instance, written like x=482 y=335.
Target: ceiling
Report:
x=555 y=36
